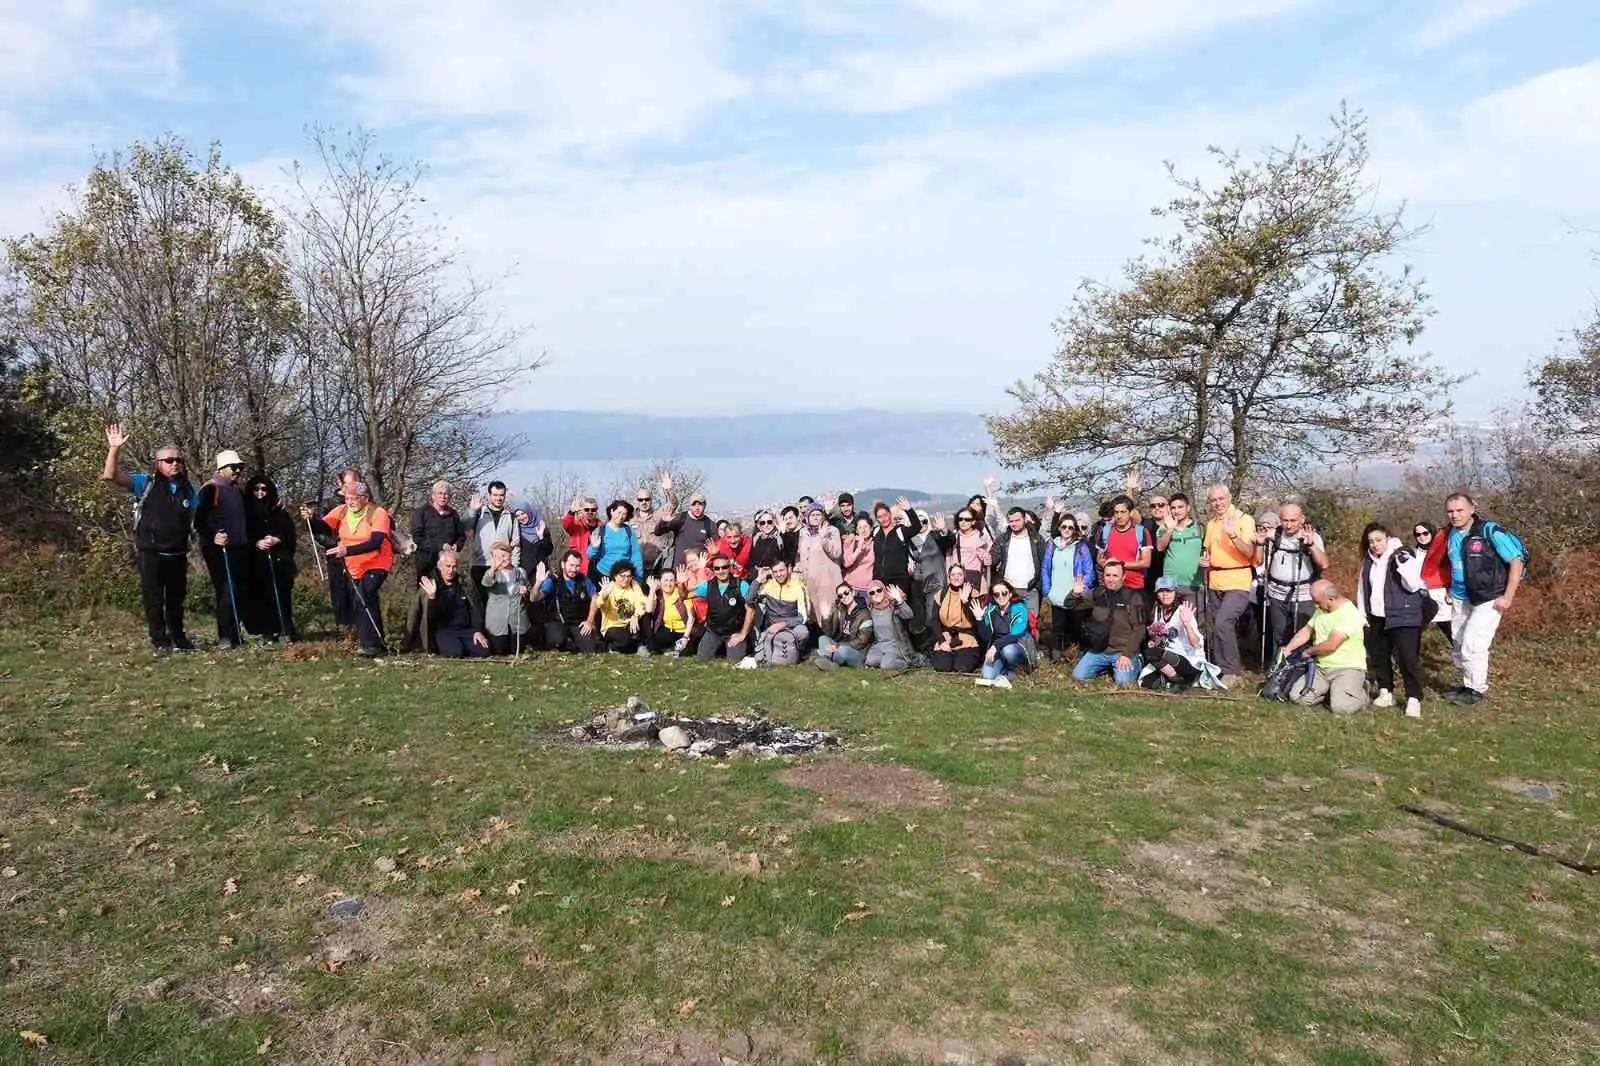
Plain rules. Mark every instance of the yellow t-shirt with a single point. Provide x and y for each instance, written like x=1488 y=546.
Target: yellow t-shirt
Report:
x=619 y=606
x=673 y=619
x=1231 y=571
x=1347 y=619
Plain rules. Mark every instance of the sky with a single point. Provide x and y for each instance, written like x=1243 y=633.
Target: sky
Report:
x=771 y=205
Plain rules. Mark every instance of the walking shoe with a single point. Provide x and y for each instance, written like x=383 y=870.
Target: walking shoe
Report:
x=370 y=653
x=1413 y=708
x=1001 y=682
x=643 y=652
x=1467 y=698
x=1450 y=694
x=1385 y=698
x=747 y=664
x=822 y=662
x=183 y=644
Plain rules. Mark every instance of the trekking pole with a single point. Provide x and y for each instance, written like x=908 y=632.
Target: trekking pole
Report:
x=233 y=602
x=322 y=569
x=272 y=574
x=356 y=587
x=516 y=633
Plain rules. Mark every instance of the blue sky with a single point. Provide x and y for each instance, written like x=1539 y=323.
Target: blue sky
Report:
x=783 y=204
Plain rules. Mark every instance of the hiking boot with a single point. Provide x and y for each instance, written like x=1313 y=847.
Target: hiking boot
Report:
x=370 y=653
x=1466 y=698
x=1413 y=708
x=1385 y=698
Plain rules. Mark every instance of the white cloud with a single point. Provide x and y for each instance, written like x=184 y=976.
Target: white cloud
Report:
x=1456 y=19
x=573 y=73
x=77 y=46
x=917 y=52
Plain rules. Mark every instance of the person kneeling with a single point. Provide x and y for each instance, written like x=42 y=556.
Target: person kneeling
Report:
x=1114 y=630
x=673 y=624
x=848 y=632
x=959 y=650
x=891 y=643
x=729 y=616
x=1011 y=645
x=1333 y=638
x=622 y=607
x=454 y=616
x=570 y=594
x=1175 y=656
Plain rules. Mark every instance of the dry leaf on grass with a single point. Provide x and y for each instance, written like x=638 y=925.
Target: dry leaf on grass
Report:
x=515 y=887
x=687 y=1007
x=230 y=886
x=856 y=916
x=728 y=901
x=36 y=1039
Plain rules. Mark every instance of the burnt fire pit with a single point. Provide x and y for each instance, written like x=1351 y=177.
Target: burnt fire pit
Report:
x=636 y=727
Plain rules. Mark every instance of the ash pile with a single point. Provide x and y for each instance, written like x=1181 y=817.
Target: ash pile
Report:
x=637 y=727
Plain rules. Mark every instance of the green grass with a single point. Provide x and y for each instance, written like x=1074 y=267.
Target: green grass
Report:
x=1089 y=876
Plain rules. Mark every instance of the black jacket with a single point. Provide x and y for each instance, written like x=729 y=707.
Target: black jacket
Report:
x=431 y=531
x=892 y=551
x=267 y=517
x=1002 y=546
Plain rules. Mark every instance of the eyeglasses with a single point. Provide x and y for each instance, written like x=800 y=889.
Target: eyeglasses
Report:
x=722 y=568
x=1068 y=527
x=1157 y=504
x=591 y=510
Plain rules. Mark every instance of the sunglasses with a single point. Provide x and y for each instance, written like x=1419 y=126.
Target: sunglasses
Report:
x=842 y=593
x=965 y=518
x=878 y=591
x=644 y=499
x=766 y=522
x=722 y=568
x=261 y=489
x=591 y=510
x=1421 y=533
x=1002 y=592
x=171 y=459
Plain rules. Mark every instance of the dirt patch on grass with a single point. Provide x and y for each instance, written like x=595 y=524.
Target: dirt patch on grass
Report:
x=878 y=786
x=611 y=845
x=1543 y=791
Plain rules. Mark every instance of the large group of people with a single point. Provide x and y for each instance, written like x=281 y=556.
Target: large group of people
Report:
x=1146 y=590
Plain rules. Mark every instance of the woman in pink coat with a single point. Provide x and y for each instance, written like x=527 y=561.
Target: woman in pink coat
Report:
x=817 y=560
x=859 y=556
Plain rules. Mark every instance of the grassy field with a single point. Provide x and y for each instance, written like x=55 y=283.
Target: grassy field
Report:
x=1055 y=874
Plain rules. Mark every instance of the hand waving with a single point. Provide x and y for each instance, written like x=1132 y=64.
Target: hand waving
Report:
x=115 y=437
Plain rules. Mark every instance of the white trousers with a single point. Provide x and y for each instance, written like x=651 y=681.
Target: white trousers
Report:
x=1473 y=629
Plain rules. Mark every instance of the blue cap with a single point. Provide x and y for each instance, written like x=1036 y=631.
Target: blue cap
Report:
x=1166 y=584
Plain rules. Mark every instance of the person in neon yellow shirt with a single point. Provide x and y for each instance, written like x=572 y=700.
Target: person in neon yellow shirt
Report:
x=622 y=608
x=1333 y=638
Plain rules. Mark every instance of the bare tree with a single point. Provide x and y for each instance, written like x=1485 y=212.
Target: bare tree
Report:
x=400 y=354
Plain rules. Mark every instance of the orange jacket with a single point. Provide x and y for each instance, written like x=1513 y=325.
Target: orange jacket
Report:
x=374 y=520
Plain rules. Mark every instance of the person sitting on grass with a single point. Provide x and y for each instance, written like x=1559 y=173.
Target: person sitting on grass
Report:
x=1011 y=646
x=959 y=647
x=569 y=594
x=847 y=632
x=729 y=614
x=1175 y=656
x=622 y=609
x=1334 y=638
x=453 y=614
x=673 y=624
x=891 y=644
x=505 y=613
x=781 y=610
x=1114 y=630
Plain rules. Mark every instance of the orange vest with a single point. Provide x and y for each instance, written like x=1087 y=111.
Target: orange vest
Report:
x=374 y=520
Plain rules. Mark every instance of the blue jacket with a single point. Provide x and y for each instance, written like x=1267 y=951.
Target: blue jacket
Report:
x=616 y=545
x=1008 y=629
x=1082 y=565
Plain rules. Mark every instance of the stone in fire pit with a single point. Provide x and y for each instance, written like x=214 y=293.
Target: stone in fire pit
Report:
x=636 y=727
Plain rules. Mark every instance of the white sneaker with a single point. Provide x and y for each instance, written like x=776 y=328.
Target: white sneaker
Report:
x=643 y=652
x=748 y=664
x=982 y=682
x=1385 y=698
x=1001 y=682
x=1413 y=708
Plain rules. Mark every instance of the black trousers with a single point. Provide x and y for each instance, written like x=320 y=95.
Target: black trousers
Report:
x=369 y=612
x=230 y=579
x=1384 y=645
x=621 y=639
x=561 y=637
x=346 y=611
x=1284 y=620
x=663 y=639
x=269 y=610
x=163 y=584
x=1066 y=627
x=457 y=644
x=960 y=661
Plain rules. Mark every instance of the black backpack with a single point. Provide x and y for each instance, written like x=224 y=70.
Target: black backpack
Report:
x=1288 y=678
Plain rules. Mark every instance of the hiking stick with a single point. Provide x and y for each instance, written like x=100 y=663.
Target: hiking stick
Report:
x=356 y=586
x=1526 y=849
x=272 y=574
x=322 y=569
x=233 y=602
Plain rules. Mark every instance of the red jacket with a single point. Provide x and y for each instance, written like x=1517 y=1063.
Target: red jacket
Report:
x=739 y=558
x=578 y=529
x=1436 y=564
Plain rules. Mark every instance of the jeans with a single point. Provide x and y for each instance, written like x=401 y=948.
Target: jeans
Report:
x=1006 y=661
x=1095 y=663
x=843 y=654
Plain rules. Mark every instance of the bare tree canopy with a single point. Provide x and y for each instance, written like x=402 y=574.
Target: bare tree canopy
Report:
x=400 y=354
x=1271 y=331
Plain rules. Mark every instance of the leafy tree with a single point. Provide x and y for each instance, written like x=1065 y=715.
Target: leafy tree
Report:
x=1267 y=333
x=161 y=294
x=1566 y=389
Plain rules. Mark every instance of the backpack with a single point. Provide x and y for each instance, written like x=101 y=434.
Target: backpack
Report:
x=1105 y=535
x=1289 y=678
x=1294 y=586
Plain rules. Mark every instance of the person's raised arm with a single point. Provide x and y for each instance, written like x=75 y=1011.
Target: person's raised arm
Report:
x=115 y=439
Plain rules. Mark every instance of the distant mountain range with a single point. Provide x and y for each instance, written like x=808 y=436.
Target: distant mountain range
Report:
x=592 y=435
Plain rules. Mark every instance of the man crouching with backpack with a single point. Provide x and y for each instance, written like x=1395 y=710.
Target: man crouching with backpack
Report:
x=1333 y=638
